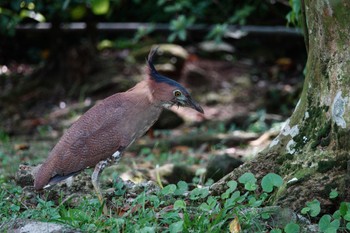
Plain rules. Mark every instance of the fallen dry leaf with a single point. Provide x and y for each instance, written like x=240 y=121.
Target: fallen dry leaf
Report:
x=234 y=226
x=21 y=146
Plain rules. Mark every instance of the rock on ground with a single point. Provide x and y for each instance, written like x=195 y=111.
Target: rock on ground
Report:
x=31 y=226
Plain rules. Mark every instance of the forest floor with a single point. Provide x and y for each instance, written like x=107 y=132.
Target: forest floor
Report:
x=245 y=100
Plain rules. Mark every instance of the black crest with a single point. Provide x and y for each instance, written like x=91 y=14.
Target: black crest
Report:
x=158 y=77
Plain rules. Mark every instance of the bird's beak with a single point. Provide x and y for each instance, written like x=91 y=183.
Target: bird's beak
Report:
x=193 y=104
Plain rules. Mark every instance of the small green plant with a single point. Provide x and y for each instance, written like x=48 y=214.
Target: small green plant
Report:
x=339 y=221
x=217 y=32
x=333 y=194
x=44 y=130
x=179 y=27
x=293 y=17
x=258 y=124
x=142 y=32
x=292 y=228
x=4 y=137
x=313 y=208
x=175 y=208
x=327 y=225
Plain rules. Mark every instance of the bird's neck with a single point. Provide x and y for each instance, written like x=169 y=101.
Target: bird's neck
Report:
x=159 y=93
x=145 y=110
x=142 y=90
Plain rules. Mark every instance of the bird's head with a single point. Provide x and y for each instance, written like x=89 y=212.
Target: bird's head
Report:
x=167 y=91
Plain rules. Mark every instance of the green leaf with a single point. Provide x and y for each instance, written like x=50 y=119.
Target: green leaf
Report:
x=305 y=210
x=147 y=230
x=14 y=208
x=246 y=178
x=294 y=15
x=344 y=208
x=182 y=35
x=182 y=187
x=347 y=217
x=271 y=180
x=154 y=200
x=336 y=215
x=169 y=189
x=232 y=184
x=242 y=198
x=172 y=37
x=325 y=224
x=333 y=194
x=217 y=32
x=236 y=195
x=176 y=227
x=78 y=12
x=335 y=224
x=276 y=231
x=265 y=216
x=253 y=202
x=225 y=195
x=314 y=208
x=348 y=226
x=212 y=201
x=232 y=187
x=179 y=204
x=33 y=15
x=250 y=186
x=199 y=193
x=205 y=207
x=100 y=7
x=292 y=228
x=65 y=4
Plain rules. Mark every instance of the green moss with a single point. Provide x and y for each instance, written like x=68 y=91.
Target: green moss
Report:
x=304 y=174
x=280 y=160
x=325 y=130
x=324 y=68
x=280 y=192
x=310 y=132
x=324 y=166
x=340 y=12
x=287 y=166
x=289 y=156
x=342 y=139
x=325 y=141
x=322 y=136
x=314 y=145
x=335 y=128
x=328 y=188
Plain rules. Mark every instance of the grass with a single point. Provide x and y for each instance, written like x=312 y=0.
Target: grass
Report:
x=171 y=209
x=181 y=207
x=175 y=208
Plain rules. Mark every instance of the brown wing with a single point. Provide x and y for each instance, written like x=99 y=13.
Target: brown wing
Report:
x=92 y=138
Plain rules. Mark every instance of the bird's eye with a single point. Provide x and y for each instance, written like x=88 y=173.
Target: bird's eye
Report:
x=177 y=93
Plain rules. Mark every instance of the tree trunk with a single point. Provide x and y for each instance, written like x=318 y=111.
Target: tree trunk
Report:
x=314 y=145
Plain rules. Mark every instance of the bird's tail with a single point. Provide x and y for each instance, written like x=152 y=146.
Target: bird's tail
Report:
x=42 y=176
x=46 y=176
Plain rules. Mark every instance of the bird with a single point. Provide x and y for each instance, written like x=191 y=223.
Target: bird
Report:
x=101 y=135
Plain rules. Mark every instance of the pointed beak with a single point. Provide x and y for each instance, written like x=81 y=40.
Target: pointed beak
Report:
x=193 y=104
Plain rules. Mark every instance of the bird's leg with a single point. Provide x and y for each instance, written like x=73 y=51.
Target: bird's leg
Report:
x=117 y=155
x=96 y=175
x=95 y=182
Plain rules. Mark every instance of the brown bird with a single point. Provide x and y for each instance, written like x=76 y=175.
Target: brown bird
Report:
x=100 y=136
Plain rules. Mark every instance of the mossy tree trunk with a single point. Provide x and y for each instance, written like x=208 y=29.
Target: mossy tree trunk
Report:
x=314 y=145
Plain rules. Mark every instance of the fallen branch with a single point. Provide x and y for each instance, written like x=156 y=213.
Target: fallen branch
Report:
x=233 y=139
